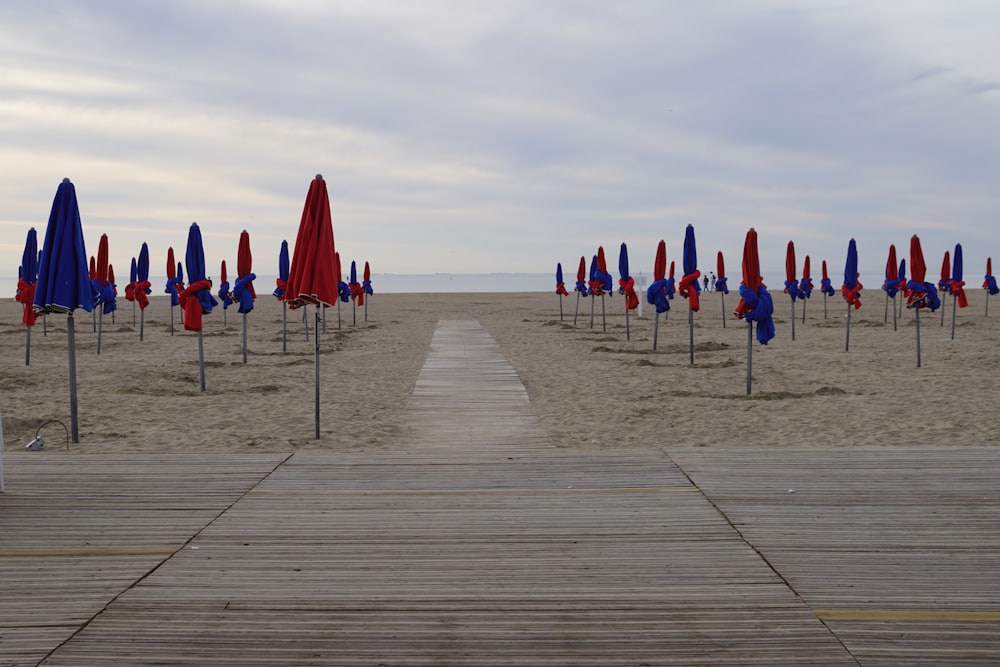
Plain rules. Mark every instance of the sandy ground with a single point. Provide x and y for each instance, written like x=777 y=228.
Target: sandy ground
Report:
x=590 y=386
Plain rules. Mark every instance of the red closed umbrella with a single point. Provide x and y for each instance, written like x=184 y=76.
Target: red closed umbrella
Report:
x=312 y=278
x=922 y=294
x=243 y=291
x=581 y=286
x=721 y=285
x=755 y=302
x=791 y=280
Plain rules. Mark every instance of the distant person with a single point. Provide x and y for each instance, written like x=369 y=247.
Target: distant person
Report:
x=706 y=283
x=711 y=282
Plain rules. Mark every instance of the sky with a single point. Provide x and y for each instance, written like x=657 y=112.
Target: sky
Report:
x=466 y=136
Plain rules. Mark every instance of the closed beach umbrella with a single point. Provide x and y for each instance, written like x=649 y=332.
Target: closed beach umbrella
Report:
x=581 y=286
x=891 y=284
x=102 y=287
x=851 y=289
x=27 y=278
x=63 y=279
x=755 y=303
x=130 y=288
x=825 y=286
x=243 y=290
x=279 y=292
x=921 y=294
x=366 y=285
x=721 y=283
x=560 y=287
x=357 y=294
x=143 y=288
x=791 y=280
x=626 y=286
x=225 y=296
x=944 y=283
x=311 y=279
x=689 y=286
x=805 y=285
x=656 y=293
x=989 y=284
x=956 y=286
x=196 y=299
x=175 y=284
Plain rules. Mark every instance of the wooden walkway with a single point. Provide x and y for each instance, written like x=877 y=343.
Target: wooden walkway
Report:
x=480 y=545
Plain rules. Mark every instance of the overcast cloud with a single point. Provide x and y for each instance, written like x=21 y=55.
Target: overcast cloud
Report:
x=473 y=137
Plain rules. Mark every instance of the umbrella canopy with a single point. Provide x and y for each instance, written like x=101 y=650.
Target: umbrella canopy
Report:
x=132 y=279
x=143 y=288
x=989 y=280
x=922 y=294
x=600 y=279
x=581 y=277
x=891 y=284
x=357 y=293
x=956 y=285
x=791 y=279
x=63 y=279
x=224 y=296
x=689 y=287
x=851 y=289
x=626 y=285
x=311 y=275
x=657 y=292
x=103 y=289
x=806 y=284
x=825 y=284
x=366 y=282
x=721 y=283
x=27 y=278
x=282 y=280
x=243 y=291
x=755 y=303
x=343 y=289
x=196 y=299
x=560 y=283
x=175 y=277
x=945 y=272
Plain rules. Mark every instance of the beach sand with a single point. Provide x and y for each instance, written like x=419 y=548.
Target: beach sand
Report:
x=590 y=388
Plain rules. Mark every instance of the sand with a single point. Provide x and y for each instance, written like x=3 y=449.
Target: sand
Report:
x=590 y=388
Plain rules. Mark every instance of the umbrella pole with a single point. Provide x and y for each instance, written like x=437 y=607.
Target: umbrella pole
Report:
x=847 y=340
x=244 y=338
x=316 y=351
x=986 y=312
x=954 y=309
x=201 y=361
x=354 y=314
x=27 y=346
x=916 y=314
x=171 y=320
x=604 y=319
x=133 y=314
x=142 y=324
x=100 y=326
x=628 y=333
x=305 y=320
x=722 y=295
x=71 y=335
x=592 y=311
x=576 y=311
x=824 y=305
x=284 y=326
x=894 y=324
x=656 y=329
x=886 y=320
x=749 y=355
x=804 y=302
x=560 y=307
x=45 y=320
x=793 y=319
x=691 y=333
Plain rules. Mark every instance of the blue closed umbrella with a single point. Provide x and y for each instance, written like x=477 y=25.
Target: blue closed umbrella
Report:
x=689 y=287
x=143 y=288
x=279 y=291
x=27 y=278
x=851 y=288
x=196 y=299
x=956 y=285
x=64 y=276
x=626 y=286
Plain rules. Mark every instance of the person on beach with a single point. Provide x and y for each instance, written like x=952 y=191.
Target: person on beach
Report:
x=706 y=283
x=711 y=282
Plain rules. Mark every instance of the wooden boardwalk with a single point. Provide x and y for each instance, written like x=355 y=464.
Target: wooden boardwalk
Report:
x=480 y=545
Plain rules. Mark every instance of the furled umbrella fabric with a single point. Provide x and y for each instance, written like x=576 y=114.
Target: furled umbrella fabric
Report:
x=196 y=299
x=243 y=290
x=791 y=273
x=656 y=293
x=825 y=283
x=626 y=284
x=851 y=289
x=989 y=280
x=756 y=304
x=63 y=279
x=922 y=294
x=689 y=287
x=956 y=284
x=581 y=286
x=366 y=282
x=104 y=287
x=225 y=296
x=357 y=293
x=891 y=284
x=721 y=282
x=806 y=284
x=560 y=283
x=175 y=283
x=944 y=283
x=130 y=287
x=282 y=279
x=143 y=288
x=27 y=279
x=311 y=276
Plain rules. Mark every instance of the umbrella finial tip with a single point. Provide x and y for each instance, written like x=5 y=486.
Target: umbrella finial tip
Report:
x=319 y=177
x=66 y=180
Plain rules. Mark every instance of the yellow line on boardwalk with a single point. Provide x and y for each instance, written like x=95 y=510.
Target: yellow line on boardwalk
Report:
x=88 y=551
x=917 y=615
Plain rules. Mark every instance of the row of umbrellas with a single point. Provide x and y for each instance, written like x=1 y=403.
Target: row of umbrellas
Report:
x=756 y=304
x=59 y=280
